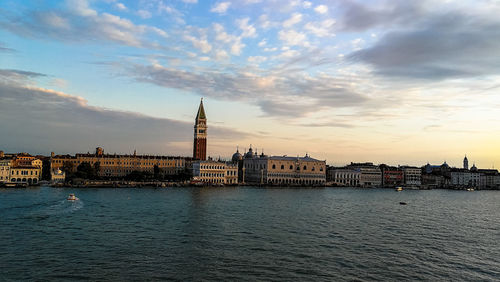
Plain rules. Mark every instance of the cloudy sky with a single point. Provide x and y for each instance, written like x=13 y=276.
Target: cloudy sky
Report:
x=398 y=82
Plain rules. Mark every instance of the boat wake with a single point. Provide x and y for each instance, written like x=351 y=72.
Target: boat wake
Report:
x=59 y=208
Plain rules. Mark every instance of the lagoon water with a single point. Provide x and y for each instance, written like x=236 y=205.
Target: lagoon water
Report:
x=252 y=234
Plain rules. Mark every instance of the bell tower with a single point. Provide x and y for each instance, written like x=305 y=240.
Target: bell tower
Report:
x=200 y=134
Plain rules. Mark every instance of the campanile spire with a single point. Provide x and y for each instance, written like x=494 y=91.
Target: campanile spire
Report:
x=200 y=134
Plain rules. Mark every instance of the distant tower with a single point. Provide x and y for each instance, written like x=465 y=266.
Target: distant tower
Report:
x=200 y=134
x=466 y=163
x=99 y=151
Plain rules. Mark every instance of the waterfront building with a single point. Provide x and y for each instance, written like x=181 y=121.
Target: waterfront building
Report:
x=489 y=178
x=436 y=176
x=5 y=165
x=57 y=176
x=460 y=177
x=200 y=134
x=412 y=176
x=433 y=180
x=391 y=176
x=371 y=175
x=282 y=170
x=215 y=172
x=113 y=165
x=25 y=175
x=21 y=169
x=342 y=176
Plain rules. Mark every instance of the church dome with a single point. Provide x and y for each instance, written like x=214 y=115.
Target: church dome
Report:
x=236 y=157
x=249 y=154
x=473 y=168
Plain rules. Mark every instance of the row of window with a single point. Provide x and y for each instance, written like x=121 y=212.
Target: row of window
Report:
x=30 y=180
x=212 y=167
x=211 y=174
x=24 y=172
x=294 y=181
x=287 y=175
x=262 y=166
x=119 y=163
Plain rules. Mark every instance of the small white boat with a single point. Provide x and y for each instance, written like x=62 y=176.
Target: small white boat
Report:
x=470 y=189
x=399 y=189
x=72 y=197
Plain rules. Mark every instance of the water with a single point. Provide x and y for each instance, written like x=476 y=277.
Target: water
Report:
x=249 y=234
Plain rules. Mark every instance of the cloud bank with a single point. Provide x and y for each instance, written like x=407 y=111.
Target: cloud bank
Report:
x=42 y=120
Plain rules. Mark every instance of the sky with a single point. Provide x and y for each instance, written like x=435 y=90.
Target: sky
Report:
x=395 y=82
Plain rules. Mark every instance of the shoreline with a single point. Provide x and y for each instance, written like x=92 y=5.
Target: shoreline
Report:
x=162 y=184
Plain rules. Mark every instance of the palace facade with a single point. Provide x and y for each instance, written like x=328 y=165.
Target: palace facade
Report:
x=113 y=165
x=213 y=172
x=281 y=170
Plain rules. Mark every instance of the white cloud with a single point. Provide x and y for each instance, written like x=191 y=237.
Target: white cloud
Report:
x=121 y=7
x=221 y=55
x=321 y=9
x=288 y=54
x=220 y=7
x=221 y=34
x=306 y=4
x=292 y=37
x=55 y=21
x=262 y=43
x=270 y=49
x=80 y=7
x=321 y=29
x=294 y=19
x=357 y=43
x=256 y=59
x=237 y=47
x=264 y=22
x=190 y=1
x=248 y=30
x=201 y=44
x=160 y=32
x=144 y=14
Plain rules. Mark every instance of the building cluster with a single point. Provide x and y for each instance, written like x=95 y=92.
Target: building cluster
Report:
x=444 y=176
x=370 y=175
x=20 y=169
x=248 y=168
x=119 y=166
x=428 y=176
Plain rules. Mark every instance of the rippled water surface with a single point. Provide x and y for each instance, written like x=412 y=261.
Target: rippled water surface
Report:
x=249 y=234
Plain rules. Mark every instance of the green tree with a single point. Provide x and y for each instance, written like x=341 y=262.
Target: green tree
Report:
x=85 y=170
x=46 y=169
x=68 y=167
x=138 y=176
x=156 y=171
x=97 y=169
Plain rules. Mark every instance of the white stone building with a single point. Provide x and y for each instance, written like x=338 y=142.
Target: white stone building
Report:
x=344 y=177
x=213 y=172
x=283 y=170
x=5 y=166
x=371 y=175
x=412 y=176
